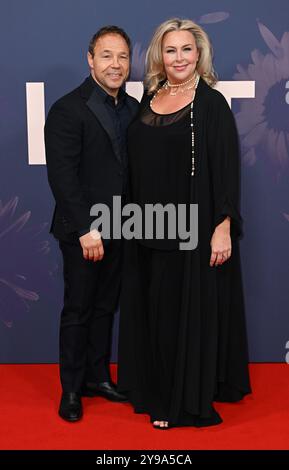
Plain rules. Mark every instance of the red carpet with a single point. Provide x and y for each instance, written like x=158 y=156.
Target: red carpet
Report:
x=29 y=397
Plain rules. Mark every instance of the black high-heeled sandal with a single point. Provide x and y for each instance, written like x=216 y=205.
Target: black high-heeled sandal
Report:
x=161 y=428
x=157 y=426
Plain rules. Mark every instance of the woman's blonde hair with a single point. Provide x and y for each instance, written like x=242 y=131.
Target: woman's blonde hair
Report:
x=155 y=72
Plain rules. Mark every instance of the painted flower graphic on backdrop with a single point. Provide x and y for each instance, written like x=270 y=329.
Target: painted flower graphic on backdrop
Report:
x=138 y=53
x=263 y=123
x=23 y=255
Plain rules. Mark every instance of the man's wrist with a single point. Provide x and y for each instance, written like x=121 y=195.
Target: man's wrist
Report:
x=83 y=232
x=94 y=233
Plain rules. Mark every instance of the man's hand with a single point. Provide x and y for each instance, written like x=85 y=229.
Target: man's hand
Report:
x=221 y=243
x=92 y=246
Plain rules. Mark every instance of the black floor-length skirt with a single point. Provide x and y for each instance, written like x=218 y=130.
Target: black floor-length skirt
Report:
x=173 y=364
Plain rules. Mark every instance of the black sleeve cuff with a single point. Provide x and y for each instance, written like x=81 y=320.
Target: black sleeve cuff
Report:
x=83 y=232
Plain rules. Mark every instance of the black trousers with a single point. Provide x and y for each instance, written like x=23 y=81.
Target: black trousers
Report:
x=91 y=293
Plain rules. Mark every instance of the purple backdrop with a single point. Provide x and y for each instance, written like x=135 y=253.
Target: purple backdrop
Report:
x=46 y=42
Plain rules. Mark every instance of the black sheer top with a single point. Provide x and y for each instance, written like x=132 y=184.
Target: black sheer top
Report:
x=159 y=149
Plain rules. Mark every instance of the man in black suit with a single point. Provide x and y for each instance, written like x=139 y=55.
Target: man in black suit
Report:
x=85 y=138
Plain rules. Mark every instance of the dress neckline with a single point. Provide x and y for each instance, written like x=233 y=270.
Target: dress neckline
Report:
x=174 y=112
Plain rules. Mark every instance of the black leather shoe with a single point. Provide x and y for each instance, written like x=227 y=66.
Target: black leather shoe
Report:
x=103 y=389
x=70 y=407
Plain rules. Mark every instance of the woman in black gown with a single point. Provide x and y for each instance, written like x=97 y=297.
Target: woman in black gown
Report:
x=182 y=342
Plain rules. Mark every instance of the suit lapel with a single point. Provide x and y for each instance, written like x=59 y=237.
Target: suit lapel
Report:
x=132 y=106
x=98 y=108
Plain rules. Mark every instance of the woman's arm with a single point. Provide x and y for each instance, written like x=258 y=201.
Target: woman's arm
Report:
x=224 y=165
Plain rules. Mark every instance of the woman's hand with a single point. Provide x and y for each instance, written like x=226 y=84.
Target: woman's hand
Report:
x=221 y=243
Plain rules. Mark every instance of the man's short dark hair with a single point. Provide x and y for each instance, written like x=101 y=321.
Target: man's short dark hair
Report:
x=110 y=29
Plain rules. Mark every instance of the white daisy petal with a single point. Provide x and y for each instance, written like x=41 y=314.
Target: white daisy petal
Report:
x=282 y=153
x=250 y=157
x=242 y=75
x=255 y=136
x=246 y=122
x=271 y=41
x=257 y=57
x=269 y=69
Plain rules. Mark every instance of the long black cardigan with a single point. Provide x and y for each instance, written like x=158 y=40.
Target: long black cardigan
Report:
x=212 y=357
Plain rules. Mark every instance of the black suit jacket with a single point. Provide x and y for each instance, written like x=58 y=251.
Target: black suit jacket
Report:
x=83 y=159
